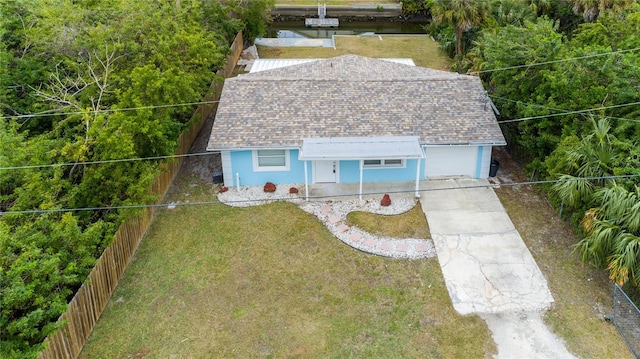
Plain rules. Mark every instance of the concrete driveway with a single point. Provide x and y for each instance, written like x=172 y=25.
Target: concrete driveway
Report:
x=487 y=267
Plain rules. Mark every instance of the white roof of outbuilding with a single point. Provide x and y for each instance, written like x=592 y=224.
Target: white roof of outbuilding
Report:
x=269 y=64
x=349 y=148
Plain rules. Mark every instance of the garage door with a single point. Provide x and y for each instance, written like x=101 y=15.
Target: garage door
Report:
x=451 y=161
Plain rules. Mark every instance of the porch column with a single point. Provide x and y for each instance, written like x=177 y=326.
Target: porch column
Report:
x=361 y=170
x=418 y=176
x=306 y=182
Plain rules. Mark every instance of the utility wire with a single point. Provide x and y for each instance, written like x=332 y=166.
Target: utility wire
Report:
x=43 y=114
x=107 y=161
x=163 y=205
x=108 y=110
x=554 y=61
x=569 y=112
x=209 y=153
x=559 y=109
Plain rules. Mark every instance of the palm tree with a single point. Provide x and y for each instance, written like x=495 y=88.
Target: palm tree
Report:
x=613 y=233
x=591 y=9
x=541 y=7
x=512 y=12
x=595 y=156
x=463 y=14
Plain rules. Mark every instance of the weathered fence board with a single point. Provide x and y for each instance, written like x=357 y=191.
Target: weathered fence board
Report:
x=90 y=300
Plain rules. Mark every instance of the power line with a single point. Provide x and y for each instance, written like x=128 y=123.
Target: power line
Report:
x=569 y=112
x=564 y=112
x=107 y=161
x=44 y=114
x=163 y=205
x=555 y=61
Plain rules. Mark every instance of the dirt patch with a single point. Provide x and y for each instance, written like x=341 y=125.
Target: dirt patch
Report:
x=203 y=165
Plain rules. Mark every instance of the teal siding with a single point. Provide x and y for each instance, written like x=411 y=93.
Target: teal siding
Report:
x=242 y=163
x=350 y=173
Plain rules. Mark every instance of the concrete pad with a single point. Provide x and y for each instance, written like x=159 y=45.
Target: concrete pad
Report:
x=524 y=335
x=486 y=265
x=421 y=247
x=356 y=237
x=370 y=242
x=465 y=221
x=491 y=273
x=334 y=219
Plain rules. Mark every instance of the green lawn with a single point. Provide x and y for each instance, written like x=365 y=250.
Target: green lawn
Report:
x=420 y=48
x=271 y=281
x=411 y=224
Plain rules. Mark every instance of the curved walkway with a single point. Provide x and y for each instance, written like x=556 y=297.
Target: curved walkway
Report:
x=334 y=214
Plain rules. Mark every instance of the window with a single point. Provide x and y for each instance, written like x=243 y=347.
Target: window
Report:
x=270 y=160
x=383 y=163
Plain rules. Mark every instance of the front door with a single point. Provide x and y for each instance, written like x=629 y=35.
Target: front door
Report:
x=326 y=171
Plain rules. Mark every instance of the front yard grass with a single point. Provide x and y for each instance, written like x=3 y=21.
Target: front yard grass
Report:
x=420 y=48
x=411 y=224
x=271 y=281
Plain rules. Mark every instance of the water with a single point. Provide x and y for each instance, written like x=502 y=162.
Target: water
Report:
x=296 y=29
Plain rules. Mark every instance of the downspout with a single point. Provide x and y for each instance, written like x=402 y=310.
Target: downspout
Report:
x=306 y=182
x=361 y=170
x=418 y=177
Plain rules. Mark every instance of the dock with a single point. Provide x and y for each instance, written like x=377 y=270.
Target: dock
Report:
x=321 y=21
x=314 y=23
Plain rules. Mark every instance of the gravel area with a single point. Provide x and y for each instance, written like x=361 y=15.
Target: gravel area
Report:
x=334 y=214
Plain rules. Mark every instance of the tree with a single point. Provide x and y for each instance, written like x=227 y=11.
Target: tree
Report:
x=596 y=155
x=591 y=9
x=613 y=233
x=512 y=12
x=115 y=80
x=463 y=14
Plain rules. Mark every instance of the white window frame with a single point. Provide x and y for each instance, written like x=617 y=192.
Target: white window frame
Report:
x=383 y=163
x=258 y=168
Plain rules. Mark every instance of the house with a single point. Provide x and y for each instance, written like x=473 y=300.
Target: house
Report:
x=352 y=119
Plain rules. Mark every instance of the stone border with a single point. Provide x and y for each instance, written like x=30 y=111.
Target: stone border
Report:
x=333 y=215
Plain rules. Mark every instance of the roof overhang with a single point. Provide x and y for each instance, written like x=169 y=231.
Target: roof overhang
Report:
x=360 y=148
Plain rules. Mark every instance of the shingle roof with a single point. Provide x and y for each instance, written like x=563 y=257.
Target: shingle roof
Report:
x=352 y=96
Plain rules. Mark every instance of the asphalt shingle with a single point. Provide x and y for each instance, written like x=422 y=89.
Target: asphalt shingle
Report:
x=352 y=96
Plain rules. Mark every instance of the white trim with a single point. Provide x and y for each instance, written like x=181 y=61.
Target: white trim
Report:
x=314 y=171
x=287 y=161
x=383 y=165
x=361 y=177
x=227 y=170
x=357 y=148
x=306 y=181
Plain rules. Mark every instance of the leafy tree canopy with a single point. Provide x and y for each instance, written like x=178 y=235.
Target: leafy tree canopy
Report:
x=105 y=80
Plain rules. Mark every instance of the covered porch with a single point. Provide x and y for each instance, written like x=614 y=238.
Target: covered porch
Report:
x=371 y=190
x=382 y=150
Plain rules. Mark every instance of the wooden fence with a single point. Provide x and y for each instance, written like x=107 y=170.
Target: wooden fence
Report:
x=90 y=300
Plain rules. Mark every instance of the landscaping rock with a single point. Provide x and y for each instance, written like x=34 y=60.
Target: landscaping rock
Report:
x=386 y=200
x=269 y=187
x=293 y=190
x=224 y=189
